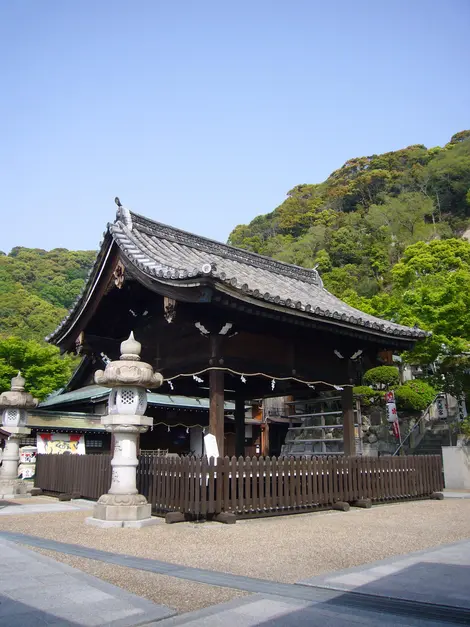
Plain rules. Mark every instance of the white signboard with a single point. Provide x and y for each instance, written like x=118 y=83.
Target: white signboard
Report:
x=441 y=407
x=210 y=446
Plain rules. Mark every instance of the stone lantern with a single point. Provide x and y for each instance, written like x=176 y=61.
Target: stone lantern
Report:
x=14 y=405
x=129 y=379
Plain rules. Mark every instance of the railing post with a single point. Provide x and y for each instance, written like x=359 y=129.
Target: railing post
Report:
x=347 y=402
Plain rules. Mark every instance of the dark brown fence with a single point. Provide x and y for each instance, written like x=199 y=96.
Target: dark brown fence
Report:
x=87 y=475
x=251 y=486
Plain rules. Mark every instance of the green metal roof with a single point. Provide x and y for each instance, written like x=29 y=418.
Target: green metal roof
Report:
x=95 y=393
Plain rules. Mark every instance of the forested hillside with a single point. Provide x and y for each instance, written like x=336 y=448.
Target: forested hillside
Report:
x=37 y=287
x=356 y=225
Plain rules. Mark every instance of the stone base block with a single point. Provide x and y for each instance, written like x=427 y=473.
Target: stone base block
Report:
x=227 y=518
x=437 y=496
x=363 y=503
x=128 y=524
x=13 y=488
x=174 y=517
x=104 y=524
x=123 y=513
x=137 y=524
x=341 y=506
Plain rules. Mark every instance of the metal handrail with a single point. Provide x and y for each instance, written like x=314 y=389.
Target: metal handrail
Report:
x=425 y=413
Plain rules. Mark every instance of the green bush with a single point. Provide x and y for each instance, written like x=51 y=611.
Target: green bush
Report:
x=386 y=376
x=367 y=396
x=414 y=395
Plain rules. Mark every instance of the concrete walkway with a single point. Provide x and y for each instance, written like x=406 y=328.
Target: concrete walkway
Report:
x=429 y=586
x=42 y=506
x=438 y=576
x=456 y=494
x=36 y=590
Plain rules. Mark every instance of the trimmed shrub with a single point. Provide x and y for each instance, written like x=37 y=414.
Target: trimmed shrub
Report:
x=367 y=396
x=382 y=376
x=414 y=395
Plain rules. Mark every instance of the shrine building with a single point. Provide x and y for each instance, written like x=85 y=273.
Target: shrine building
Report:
x=223 y=323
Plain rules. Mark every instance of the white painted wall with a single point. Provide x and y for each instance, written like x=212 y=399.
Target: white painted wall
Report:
x=456 y=467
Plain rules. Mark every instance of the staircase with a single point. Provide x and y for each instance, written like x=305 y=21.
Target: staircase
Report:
x=431 y=432
x=435 y=437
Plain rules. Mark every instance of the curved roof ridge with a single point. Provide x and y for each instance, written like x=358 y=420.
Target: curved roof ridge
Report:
x=231 y=252
x=165 y=253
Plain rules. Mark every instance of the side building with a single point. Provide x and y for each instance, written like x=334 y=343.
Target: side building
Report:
x=70 y=421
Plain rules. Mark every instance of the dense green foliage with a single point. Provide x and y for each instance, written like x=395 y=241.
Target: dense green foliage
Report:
x=37 y=287
x=360 y=220
x=382 y=377
x=367 y=395
x=41 y=365
x=414 y=395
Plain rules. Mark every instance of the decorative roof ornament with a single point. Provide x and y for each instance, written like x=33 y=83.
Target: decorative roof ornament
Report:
x=320 y=280
x=16 y=396
x=129 y=370
x=123 y=215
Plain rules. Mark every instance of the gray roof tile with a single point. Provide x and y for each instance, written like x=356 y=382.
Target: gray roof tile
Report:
x=161 y=251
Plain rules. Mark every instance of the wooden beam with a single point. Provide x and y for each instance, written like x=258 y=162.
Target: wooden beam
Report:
x=239 y=426
x=216 y=395
x=347 y=402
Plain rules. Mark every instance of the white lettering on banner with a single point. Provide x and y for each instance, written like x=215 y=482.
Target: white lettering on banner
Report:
x=441 y=407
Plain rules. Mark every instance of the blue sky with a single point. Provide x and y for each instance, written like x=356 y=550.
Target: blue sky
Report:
x=204 y=114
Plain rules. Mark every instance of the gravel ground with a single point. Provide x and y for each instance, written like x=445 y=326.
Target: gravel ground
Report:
x=284 y=549
x=183 y=596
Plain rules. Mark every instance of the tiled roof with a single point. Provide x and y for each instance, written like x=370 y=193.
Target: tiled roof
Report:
x=167 y=254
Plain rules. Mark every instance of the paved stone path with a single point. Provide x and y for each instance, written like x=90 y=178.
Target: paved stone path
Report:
x=457 y=494
x=370 y=595
x=438 y=576
x=8 y=508
x=36 y=590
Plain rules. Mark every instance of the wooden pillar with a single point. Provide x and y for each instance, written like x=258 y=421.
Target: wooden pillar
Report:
x=347 y=401
x=239 y=426
x=216 y=396
x=265 y=440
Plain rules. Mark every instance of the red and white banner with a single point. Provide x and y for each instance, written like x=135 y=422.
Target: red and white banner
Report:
x=396 y=429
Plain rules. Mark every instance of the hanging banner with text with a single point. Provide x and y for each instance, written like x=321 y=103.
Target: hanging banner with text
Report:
x=61 y=444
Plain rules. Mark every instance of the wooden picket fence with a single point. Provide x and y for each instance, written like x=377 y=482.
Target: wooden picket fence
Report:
x=254 y=486
x=86 y=475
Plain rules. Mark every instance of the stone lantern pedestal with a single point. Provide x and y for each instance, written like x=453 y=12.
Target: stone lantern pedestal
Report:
x=14 y=404
x=123 y=506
